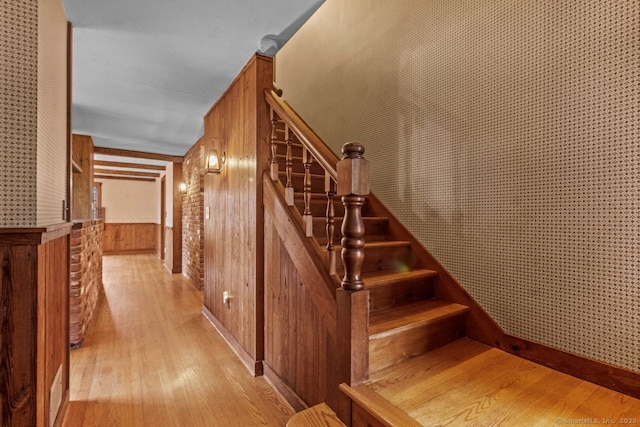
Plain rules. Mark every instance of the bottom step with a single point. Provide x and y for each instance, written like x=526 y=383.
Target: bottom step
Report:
x=320 y=415
x=369 y=408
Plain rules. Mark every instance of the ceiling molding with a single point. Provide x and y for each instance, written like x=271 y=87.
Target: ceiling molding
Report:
x=127 y=173
x=128 y=165
x=137 y=154
x=125 y=178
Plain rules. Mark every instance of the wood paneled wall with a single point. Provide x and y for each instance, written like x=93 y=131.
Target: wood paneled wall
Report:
x=176 y=230
x=34 y=323
x=238 y=125
x=300 y=347
x=130 y=237
x=82 y=179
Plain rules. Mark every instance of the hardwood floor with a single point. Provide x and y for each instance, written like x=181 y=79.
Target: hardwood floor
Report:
x=151 y=359
x=467 y=383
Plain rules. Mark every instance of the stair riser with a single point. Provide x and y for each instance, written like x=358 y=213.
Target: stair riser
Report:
x=375 y=229
x=394 y=259
x=411 y=342
x=320 y=232
x=402 y=293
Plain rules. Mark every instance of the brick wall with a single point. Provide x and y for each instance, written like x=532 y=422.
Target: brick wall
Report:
x=193 y=215
x=86 y=276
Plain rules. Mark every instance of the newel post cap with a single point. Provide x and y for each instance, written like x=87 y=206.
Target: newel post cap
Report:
x=353 y=171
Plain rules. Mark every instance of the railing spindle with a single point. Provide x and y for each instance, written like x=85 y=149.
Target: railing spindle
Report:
x=288 y=189
x=307 y=218
x=353 y=186
x=329 y=189
x=274 y=146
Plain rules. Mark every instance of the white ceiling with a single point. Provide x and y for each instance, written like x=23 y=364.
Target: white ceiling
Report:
x=146 y=71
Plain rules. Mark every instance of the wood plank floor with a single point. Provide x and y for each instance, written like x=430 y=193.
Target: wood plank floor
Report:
x=151 y=359
x=467 y=383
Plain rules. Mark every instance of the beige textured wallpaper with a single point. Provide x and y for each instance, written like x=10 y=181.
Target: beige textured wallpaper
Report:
x=18 y=109
x=506 y=136
x=52 y=111
x=33 y=112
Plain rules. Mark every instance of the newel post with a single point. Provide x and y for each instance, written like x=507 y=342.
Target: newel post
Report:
x=353 y=186
x=352 y=300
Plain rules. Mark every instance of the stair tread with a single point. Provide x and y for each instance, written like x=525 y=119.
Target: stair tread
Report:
x=382 y=410
x=389 y=277
x=381 y=244
x=320 y=415
x=396 y=319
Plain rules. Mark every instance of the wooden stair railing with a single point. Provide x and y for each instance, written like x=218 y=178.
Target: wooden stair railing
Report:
x=386 y=307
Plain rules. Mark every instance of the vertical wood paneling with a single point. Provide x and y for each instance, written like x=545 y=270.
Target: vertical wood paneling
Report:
x=130 y=237
x=233 y=234
x=18 y=335
x=299 y=346
x=82 y=146
x=176 y=240
x=54 y=298
x=34 y=323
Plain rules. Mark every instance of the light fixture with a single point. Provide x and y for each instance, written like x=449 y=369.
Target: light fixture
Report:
x=182 y=188
x=213 y=162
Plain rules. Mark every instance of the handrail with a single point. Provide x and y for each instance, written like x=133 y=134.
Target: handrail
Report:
x=305 y=134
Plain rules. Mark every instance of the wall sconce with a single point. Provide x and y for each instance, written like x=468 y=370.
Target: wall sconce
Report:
x=214 y=162
x=182 y=188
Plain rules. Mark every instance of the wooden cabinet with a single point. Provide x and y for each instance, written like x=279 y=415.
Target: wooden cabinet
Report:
x=34 y=325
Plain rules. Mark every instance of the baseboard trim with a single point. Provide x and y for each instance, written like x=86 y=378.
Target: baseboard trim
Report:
x=130 y=252
x=255 y=367
x=600 y=373
x=285 y=391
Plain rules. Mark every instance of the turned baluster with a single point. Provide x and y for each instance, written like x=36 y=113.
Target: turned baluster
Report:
x=274 y=147
x=330 y=190
x=307 y=218
x=288 y=189
x=353 y=186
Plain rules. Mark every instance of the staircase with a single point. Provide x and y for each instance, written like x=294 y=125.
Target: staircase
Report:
x=417 y=353
x=405 y=318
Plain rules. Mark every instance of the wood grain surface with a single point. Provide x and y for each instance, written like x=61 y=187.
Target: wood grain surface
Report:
x=151 y=359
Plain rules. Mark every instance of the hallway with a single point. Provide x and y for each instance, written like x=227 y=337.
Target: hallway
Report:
x=151 y=359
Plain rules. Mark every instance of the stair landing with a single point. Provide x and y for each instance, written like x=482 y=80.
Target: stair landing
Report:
x=466 y=383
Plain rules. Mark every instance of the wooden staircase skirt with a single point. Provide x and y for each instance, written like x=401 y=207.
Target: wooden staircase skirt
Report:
x=368 y=408
x=400 y=333
x=320 y=415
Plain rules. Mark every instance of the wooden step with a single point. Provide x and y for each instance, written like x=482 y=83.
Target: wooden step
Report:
x=297 y=180
x=390 y=289
x=400 y=333
x=320 y=415
x=392 y=255
x=369 y=408
x=375 y=228
x=468 y=383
